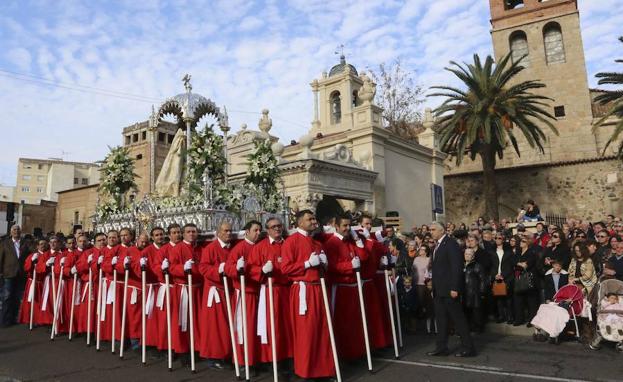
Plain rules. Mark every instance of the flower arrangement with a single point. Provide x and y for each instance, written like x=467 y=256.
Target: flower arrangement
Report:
x=117 y=178
x=263 y=176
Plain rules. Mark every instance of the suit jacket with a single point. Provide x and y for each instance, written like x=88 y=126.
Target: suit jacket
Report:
x=447 y=268
x=10 y=265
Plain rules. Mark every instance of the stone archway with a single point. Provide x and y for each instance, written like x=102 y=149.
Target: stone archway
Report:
x=327 y=207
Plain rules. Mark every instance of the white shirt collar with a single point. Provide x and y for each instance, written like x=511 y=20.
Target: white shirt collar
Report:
x=271 y=240
x=249 y=241
x=441 y=239
x=15 y=241
x=187 y=242
x=302 y=231
x=172 y=244
x=79 y=249
x=222 y=243
x=338 y=236
x=108 y=246
x=156 y=245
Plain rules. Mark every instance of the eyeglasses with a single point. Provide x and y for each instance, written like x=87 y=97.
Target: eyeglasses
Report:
x=499 y=238
x=276 y=226
x=555 y=236
x=602 y=236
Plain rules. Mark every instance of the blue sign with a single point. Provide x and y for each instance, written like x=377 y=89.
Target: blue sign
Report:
x=437 y=198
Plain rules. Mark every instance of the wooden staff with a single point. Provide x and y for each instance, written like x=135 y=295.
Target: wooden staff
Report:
x=391 y=312
x=33 y=286
x=245 y=345
x=114 y=307
x=123 y=311
x=99 y=309
x=168 y=302
x=325 y=299
x=89 y=293
x=191 y=320
x=231 y=326
x=53 y=296
x=57 y=303
x=143 y=336
x=73 y=299
x=364 y=319
x=397 y=310
x=271 y=311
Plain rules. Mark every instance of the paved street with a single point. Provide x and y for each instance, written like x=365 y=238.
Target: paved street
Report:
x=31 y=356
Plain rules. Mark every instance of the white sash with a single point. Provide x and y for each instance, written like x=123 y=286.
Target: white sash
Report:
x=183 y=314
x=161 y=295
x=77 y=298
x=102 y=304
x=31 y=292
x=213 y=296
x=85 y=291
x=302 y=298
x=149 y=304
x=111 y=295
x=238 y=318
x=59 y=302
x=134 y=295
x=46 y=293
x=262 y=331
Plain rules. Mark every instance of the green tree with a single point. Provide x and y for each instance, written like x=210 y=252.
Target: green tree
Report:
x=615 y=99
x=480 y=120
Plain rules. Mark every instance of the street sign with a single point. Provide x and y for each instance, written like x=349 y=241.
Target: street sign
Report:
x=436 y=192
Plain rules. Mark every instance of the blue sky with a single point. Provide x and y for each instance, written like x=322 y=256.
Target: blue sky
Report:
x=242 y=54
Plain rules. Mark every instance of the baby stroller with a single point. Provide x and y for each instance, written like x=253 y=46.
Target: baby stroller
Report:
x=608 y=328
x=552 y=318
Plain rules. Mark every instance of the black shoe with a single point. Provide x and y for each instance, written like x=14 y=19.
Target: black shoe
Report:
x=466 y=353
x=528 y=325
x=517 y=323
x=438 y=353
x=215 y=364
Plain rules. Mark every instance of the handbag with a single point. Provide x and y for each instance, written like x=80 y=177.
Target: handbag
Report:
x=499 y=289
x=524 y=283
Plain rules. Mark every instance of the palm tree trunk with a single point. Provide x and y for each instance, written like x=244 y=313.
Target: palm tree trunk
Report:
x=490 y=188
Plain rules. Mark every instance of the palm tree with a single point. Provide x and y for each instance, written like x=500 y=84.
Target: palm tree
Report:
x=480 y=120
x=615 y=98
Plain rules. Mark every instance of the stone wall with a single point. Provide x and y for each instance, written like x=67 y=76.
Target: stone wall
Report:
x=588 y=190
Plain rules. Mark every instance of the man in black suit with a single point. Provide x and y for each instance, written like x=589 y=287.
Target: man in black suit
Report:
x=448 y=283
x=13 y=253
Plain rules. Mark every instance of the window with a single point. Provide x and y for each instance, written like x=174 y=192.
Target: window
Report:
x=144 y=136
x=127 y=140
x=513 y=4
x=161 y=137
x=76 y=217
x=39 y=190
x=559 y=111
x=26 y=177
x=134 y=138
x=554 y=45
x=40 y=166
x=27 y=166
x=336 y=107
x=170 y=138
x=25 y=189
x=85 y=181
x=40 y=178
x=519 y=48
x=76 y=181
x=355 y=99
x=139 y=157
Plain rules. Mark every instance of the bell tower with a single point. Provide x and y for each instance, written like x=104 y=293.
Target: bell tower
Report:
x=547 y=33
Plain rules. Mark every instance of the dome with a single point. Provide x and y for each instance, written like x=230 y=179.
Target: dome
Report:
x=339 y=68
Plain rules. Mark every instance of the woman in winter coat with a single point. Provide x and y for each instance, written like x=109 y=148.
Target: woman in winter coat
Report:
x=502 y=271
x=525 y=302
x=476 y=283
x=581 y=269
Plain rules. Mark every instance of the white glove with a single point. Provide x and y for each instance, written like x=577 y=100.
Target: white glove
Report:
x=35 y=257
x=366 y=233
x=314 y=261
x=353 y=234
x=240 y=264
x=384 y=261
x=74 y=270
x=126 y=260
x=221 y=268
x=143 y=261
x=114 y=260
x=188 y=265
x=323 y=258
x=356 y=262
x=50 y=262
x=268 y=267
x=62 y=261
x=165 y=264
x=90 y=258
x=100 y=259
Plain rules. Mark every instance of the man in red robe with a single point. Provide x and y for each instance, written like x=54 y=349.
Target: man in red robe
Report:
x=216 y=340
x=301 y=262
x=346 y=253
x=183 y=260
x=88 y=260
x=159 y=266
x=267 y=255
x=236 y=267
x=33 y=291
x=129 y=260
x=150 y=257
x=110 y=291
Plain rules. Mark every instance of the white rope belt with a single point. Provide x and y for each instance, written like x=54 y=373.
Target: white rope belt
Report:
x=238 y=318
x=46 y=293
x=161 y=295
x=262 y=331
x=303 y=296
x=213 y=296
x=31 y=292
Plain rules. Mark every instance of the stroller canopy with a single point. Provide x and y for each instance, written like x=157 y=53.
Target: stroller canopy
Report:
x=571 y=294
x=610 y=286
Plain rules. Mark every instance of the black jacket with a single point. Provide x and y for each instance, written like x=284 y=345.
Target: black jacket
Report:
x=484 y=258
x=447 y=268
x=10 y=265
x=549 y=288
x=529 y=257
x=508 y=265
x=476 y=284
x=560 y=253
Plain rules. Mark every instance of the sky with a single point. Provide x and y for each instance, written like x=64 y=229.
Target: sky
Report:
x=74 y=73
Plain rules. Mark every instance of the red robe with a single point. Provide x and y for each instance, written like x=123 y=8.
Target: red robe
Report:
x=38 y=316
x=252 y=275
x=375 y=295
x=111 y=291
x=180 y=335
x=160 y=306
x=214 y=325
x=153 y=276
x=82 y=310
x=47 y=304
x=262 y=252
x=134 y=292
x=348 y=325
x=312 y=354
x=66 y=288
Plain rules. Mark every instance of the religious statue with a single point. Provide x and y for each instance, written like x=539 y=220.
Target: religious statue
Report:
x=169 y=180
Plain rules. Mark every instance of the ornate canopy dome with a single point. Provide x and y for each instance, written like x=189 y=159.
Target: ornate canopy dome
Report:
x=339 y=68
